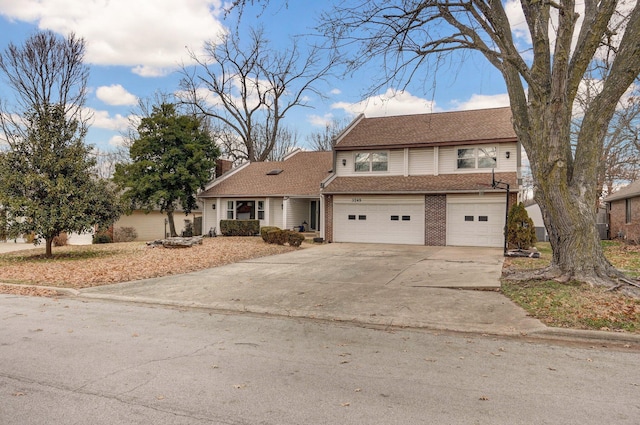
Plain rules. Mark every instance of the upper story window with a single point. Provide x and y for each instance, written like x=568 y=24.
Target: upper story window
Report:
x=371 y=161
x=485 y=157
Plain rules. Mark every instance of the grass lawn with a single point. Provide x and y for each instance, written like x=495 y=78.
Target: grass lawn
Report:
x=577 y=305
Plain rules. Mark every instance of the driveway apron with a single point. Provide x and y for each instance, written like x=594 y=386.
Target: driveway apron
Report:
x=382 y=285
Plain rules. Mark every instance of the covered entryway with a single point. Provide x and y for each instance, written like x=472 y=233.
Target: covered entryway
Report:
x=474 y=220
x=379 y=219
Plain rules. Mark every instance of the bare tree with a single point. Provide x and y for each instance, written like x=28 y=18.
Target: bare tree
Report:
x=323 y=140
x=542 y=81
x=45 y=71
x=248 y=89
x=620 y=162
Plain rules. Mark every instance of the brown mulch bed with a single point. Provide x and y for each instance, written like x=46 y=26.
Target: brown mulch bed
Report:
x=94 y=265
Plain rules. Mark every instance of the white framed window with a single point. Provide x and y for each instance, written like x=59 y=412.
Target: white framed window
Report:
x=230 y=210
x=260 y=210
x=366 y=162
x=481 y=157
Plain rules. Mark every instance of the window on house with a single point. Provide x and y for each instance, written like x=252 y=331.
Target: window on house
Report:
x=230 y=210
x=406 y=218
x=260 y=210
x=371 y=161
x=395 y=218
x=627 y=208
x=362 y=217
x=483 y=218
x=352 y=217
x=470 y=158
x=245 y=210
x=468 y=218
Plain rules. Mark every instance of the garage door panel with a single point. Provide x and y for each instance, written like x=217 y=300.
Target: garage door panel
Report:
x=382 y=222
x=475 y=222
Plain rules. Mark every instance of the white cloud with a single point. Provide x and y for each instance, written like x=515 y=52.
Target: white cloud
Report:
x=320 y=121
x=150 y=36
x=102 y=119
x=117 y=141
x=482 y=101
x=115 y=94
x=335 y=91
x=392 y=102
x=519 y=27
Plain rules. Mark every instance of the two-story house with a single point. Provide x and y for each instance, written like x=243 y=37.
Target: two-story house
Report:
x=423 y=179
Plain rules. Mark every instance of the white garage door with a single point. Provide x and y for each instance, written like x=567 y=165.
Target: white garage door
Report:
x=475 y=220
x=379 y=219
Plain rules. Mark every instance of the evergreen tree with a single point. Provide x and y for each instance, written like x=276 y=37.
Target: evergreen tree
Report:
x=521 y=233
x=172 y=157
x=46 y=181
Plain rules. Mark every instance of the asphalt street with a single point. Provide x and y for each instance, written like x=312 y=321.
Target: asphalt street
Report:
x=72 y=361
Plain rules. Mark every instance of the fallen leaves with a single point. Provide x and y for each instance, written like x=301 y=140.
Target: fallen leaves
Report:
x=94 y=265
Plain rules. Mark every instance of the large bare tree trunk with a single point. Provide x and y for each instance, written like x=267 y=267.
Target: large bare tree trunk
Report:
x=172 y=226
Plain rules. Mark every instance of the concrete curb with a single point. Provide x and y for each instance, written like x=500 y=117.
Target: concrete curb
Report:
x=61 y=291
x=560 y=334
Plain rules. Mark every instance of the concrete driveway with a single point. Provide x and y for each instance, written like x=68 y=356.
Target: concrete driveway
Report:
x=389 y=285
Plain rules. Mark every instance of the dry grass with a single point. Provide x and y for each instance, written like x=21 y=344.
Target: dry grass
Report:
x=93 y=265
x=577 y=305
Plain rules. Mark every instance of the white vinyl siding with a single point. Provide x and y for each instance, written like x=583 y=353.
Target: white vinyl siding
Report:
x=379 y=219
x=421 y=161
x=297 y=212
x=275 y=212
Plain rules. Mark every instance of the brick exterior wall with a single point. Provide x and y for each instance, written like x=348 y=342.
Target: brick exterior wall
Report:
x=435 y=214
x=328 y=218
x=618 y=227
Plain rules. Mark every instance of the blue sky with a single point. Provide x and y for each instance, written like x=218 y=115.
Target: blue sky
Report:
x=134 y=48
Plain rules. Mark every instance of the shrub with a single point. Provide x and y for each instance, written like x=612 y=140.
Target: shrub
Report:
x=521 y=233
x=101 y=237
x=295 y=238
x=61 y=239
x=239 y=227
x=124 y=234
x=265 y=229
x=281 y=237
x=277 y=236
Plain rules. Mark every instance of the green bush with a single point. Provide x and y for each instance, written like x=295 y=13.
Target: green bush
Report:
x=239 y=227
x=265 y=229
x=101 y=237
x=521 y=233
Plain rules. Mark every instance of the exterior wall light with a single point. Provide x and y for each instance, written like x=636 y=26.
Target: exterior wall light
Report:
x=344 y=162
x=507 y=154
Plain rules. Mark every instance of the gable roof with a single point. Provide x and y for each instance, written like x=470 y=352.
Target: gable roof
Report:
x=299 y=174
x=630 y=191
x=441 y=129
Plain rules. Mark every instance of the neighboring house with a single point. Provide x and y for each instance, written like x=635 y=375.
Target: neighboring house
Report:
x=283 y=193
x=535 y=214
x=423 y=179
x=153 y=225
x=624 y=213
